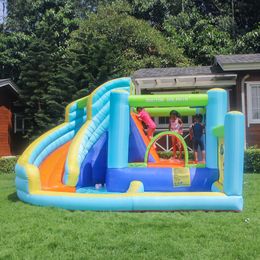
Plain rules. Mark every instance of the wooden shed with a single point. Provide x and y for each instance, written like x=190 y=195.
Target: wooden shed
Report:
x=8 y=94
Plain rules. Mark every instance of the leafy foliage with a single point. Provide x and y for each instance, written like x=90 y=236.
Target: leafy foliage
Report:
x=250 y=42
x=42 y=70
x=252 y=160
x=58 y=50
x=111 y=43
x=12 y=51
x=7 y=165
x=155 y=11
x=199 y=36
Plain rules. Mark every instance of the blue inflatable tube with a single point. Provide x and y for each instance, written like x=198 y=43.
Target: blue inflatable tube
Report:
x=137 y=202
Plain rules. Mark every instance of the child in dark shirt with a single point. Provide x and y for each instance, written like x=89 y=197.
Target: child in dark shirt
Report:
x=196 y=134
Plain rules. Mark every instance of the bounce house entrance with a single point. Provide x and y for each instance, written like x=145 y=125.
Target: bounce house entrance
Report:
x=179 y=145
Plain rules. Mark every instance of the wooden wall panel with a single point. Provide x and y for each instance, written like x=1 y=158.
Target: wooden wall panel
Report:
x=253 y=131
x=5 y=124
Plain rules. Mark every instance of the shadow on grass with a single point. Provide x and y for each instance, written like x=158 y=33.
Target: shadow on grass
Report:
x=13 y=197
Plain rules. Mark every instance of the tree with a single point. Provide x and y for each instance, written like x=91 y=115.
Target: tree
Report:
x=250 y=42
x=155 y=11
x=111 y=43
x=44 y=93
x=242 y=13
x=12 y=51
x=200 y=38
x=246 y=14
x=61 y=49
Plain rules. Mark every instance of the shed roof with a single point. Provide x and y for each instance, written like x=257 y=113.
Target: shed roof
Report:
x=238 y=62
x=238 y=58
x=10 y=84
x=176 y=71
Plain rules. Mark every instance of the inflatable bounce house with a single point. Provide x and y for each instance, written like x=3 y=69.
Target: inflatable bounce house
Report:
x=103 y=142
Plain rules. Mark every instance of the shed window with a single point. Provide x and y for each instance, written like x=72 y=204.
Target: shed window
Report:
x=19 y=123
x=163 y=122
x=253 y=103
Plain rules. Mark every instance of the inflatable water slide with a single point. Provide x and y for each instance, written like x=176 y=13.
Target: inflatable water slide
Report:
x=103 y=144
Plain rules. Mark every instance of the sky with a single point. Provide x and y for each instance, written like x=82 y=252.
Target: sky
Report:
x=2 y=12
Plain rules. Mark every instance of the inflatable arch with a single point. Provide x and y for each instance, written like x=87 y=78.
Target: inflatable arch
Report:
x=169 y=133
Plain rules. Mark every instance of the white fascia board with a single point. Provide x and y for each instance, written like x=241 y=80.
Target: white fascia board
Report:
x=9 y=83
x=207 y=81
x=193 y=84
x=187 y=77
x=240 y=66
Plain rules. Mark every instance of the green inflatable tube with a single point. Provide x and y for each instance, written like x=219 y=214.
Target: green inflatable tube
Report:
x=177 y=100
x=165 y=111
x=158 y=136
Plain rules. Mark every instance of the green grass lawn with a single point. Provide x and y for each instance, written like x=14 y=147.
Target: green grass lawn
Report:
x=30 y=232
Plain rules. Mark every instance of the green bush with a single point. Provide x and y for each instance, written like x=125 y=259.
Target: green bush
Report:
x=252 y=160
x=7 y=165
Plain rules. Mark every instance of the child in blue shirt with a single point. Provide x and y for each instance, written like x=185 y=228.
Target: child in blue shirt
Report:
x=196 y=134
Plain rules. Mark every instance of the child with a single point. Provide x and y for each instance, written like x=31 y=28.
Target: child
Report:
x=176 y=125
x=196 y=135
x=146 y=118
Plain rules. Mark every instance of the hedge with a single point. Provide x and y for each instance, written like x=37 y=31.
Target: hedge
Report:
x=7 y=164
x=252 y=161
